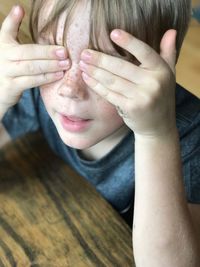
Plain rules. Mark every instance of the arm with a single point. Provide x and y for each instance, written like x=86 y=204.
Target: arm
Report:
x=164 y=233
x=163 y=229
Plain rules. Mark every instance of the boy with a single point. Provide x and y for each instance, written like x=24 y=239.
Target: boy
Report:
x=113 y=102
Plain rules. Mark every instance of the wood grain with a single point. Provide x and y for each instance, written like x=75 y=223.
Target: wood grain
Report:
x=188 y=67
x=50 y=216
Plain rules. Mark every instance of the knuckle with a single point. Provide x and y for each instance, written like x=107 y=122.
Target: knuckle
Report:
x=154 y=86
x=120 y=64
x=149 y=99
x=30 y=67
x=110 y=81
x=47 y=52
x=104 y=91
x=148 y=50
x=107 y=93
x=100 y=59
x=94 y=72
x=45 y=77
x=132 y=108
x=40 y=68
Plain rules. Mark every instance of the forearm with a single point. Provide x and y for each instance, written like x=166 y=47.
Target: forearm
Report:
x=163 y=233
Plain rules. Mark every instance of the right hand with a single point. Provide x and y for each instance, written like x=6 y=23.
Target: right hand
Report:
x=23 y=66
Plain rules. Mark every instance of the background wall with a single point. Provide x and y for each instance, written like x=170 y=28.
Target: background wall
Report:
x=188 y=67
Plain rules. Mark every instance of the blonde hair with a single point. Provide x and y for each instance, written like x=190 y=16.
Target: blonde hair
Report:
x=147 y=20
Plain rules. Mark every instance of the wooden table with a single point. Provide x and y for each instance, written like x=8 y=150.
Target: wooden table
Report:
x=51 y=217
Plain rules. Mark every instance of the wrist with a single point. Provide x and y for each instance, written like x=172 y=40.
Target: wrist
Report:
x=169 y=134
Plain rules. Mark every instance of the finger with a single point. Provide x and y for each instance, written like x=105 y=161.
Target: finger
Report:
x=117 y=66
x=29 y=68
x=24 y=82
x=11 y=24
x=112 y=97
x=35 y=51
x=168 y=48
x=148 y=57
x=109 y=80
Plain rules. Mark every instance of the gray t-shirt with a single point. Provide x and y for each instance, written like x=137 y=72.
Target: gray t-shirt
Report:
x=113 y=175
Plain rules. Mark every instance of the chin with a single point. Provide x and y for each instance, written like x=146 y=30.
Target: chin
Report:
x=77 y=142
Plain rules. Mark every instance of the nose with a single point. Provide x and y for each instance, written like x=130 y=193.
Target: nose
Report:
x=72 y=85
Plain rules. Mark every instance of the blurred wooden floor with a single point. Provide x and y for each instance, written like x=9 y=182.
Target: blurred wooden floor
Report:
x=188 y=67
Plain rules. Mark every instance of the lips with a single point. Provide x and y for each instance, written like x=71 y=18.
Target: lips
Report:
x=74 y=123
x=74 y=118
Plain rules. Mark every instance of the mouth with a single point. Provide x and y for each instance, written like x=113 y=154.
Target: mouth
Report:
x=74 y=123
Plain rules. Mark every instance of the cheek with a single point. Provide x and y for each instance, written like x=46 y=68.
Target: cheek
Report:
x=48 y=94
x=108 y=112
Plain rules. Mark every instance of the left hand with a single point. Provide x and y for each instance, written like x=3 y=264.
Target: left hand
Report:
x=144 y=95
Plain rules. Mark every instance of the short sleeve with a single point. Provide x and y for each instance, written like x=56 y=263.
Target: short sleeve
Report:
x=188 y=124
x=23 y=118
x=190 y=151
x=194 y=169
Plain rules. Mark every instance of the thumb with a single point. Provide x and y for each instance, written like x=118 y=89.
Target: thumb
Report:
x=168 y=48
x=11 y=24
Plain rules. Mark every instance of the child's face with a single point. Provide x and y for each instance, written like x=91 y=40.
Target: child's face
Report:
x=81 y=117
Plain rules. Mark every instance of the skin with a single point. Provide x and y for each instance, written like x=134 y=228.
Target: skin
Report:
x=72 y=97
x=24 y=65
x=144 y=96
x=139 y=97
x=147 y=105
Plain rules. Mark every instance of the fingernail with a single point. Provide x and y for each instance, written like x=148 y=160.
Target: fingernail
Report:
x=86 y=56
x=59 y=74
x=82 y=65
x=16 y=10
x=61 y=53
x=64 y=63
x=116 y=34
